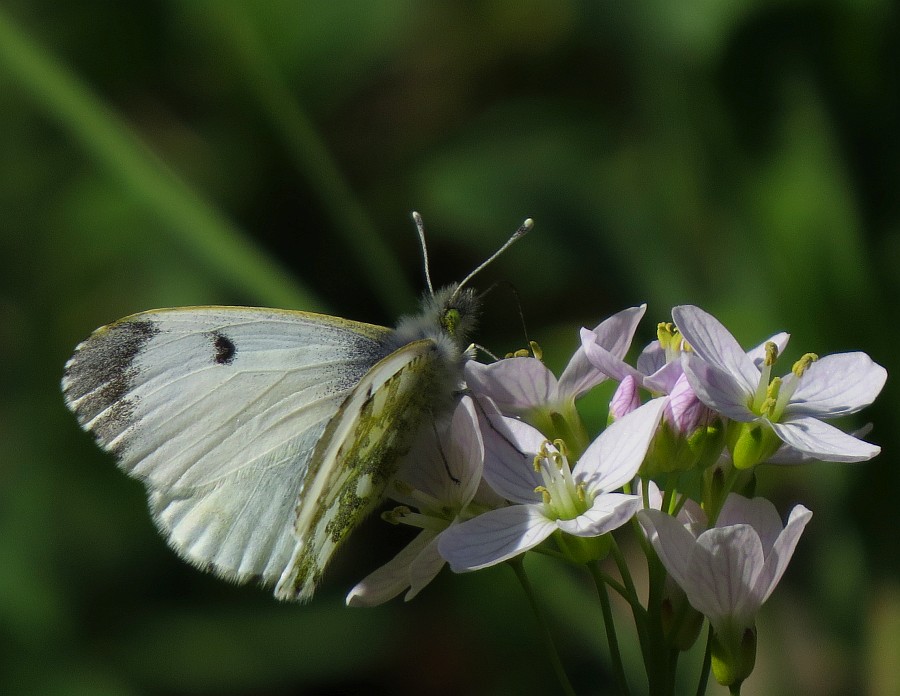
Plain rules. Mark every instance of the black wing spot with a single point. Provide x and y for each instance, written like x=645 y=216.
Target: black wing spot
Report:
x=102 y=371
x=225 y=349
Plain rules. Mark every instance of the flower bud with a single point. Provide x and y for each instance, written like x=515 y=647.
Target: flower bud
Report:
x=681 y=622
x=751 y=443
x=733 y=655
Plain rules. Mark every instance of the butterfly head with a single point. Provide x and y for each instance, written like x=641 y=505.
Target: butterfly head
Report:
x=448 y=317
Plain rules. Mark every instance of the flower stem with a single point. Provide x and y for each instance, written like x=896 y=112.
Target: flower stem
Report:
x=609 y=622
x=707 y=662
x=519 y=569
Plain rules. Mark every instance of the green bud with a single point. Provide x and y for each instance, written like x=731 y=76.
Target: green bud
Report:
x=751 y=443
x=733 y=655
x=681 y=622
x=584 y=549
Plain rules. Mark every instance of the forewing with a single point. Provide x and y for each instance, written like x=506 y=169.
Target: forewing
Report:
x=218 y=410
x=358 y=454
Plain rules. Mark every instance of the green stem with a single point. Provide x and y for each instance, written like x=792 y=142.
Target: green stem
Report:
x=610 y=624
x=707 y=663
x=713 y=514
x=622 y=565
x=617 y=586
x=519 y=568
x=194 y=225
x=655 y=658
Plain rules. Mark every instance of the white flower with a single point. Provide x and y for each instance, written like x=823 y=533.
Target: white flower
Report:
x=729 y=571
x=729 y=381
x=550 y=496
x=521 y=385
x=440 y=479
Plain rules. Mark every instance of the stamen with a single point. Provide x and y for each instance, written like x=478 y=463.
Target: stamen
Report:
x=396 y=515
x=802 y=365
x=581 y=492
x=536 y=350
x=771 y=353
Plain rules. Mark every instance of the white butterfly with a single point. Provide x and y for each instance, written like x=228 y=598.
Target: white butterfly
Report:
x=265 y=436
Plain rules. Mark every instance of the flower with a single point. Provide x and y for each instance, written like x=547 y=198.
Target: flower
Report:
x=443 y=480
x=524 y=386
x=550 y=496
x=788 y=409
x=691 y=434
x=730 y=570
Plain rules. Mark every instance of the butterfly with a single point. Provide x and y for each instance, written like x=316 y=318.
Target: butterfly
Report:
x=265 y=436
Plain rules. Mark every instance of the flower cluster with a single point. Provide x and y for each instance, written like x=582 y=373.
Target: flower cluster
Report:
x=515 y=470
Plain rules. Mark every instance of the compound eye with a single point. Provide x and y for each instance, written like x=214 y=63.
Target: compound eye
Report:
x=450 y=321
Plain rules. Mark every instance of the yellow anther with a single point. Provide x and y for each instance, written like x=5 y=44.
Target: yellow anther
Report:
x=581 y=492
x=768 y=406
x=508 y=355
x=561 y=446
x=396 y=515
x=666 y=332
x=802 y=365
x=773 y=388
x=545 y=494
x=522 y=353
x=771 y=353
x=536 y=350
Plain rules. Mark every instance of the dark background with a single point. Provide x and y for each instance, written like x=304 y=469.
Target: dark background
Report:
x=742 y=156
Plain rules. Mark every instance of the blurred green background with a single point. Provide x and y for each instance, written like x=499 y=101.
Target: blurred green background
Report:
x=739 y=155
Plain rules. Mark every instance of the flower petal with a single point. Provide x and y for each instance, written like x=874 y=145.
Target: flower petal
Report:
x=717 y=389
x=424 y=568
x=392 y=578
x=724 y=567
x=664 y=379
x=672 y=542
x=758 y=512
x=758 y=354
x=715 y=344
x=823 y=441
x=510 y=446
x=465 y=453
x=780 y=555
x=684 y=411
x=459 y=454
x=605 y=361
x=837 y=385
x=614 y=457
x=652 y=358
x=608 y=512
x=625 y=399
x=495 y=536
x=614 y=334
x=516 y=385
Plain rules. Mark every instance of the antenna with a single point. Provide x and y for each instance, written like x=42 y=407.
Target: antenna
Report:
x=420 y=227
x=524 y=228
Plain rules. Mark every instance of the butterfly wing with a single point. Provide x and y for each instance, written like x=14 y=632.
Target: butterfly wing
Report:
x=219 y=410
x=360 y=451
